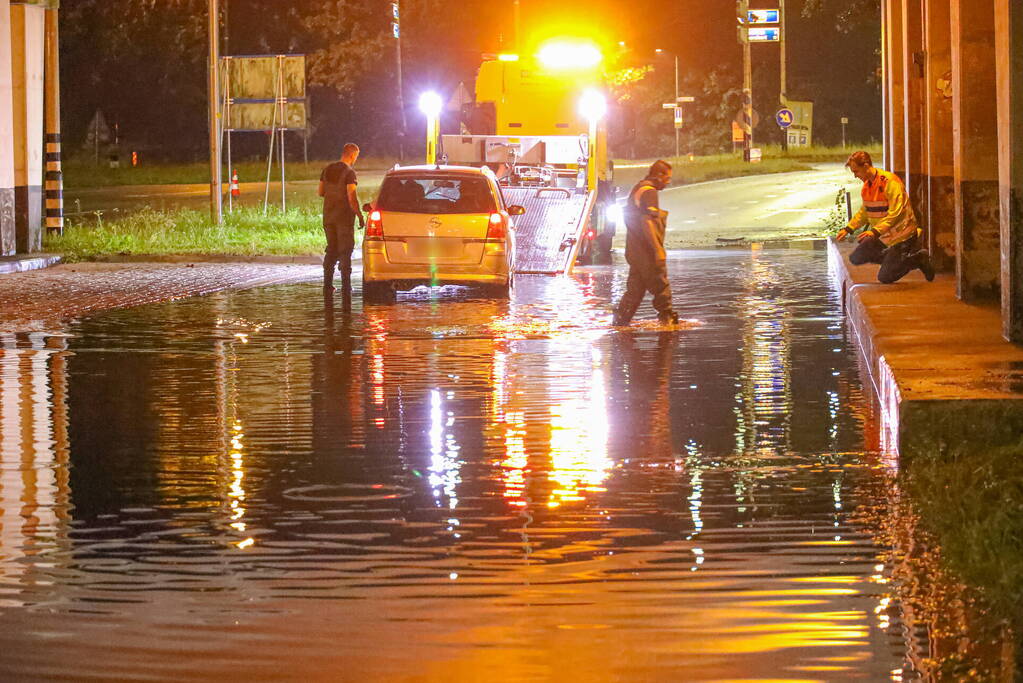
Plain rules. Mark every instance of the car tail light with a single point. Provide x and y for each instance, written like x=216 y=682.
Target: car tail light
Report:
x=497 y=229
x=590 y=234
x=375 y=226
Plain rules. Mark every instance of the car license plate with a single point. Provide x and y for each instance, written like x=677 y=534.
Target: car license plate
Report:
x=435 y=248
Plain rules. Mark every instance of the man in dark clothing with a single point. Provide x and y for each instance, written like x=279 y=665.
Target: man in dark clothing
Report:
x=338 y=183
x=644 y=249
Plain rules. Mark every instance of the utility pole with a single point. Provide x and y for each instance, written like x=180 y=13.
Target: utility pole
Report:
x=781 y=40
x=676 y=100
x=216 y=201
x=747 y=81
x=396 y=30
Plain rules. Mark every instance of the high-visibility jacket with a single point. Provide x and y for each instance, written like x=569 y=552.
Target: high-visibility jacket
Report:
x=645 y=226
x=886 y=209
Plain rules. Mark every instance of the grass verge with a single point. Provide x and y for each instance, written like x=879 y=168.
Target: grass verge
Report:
x=79 y=174
x=246 y=232
x=701 y=169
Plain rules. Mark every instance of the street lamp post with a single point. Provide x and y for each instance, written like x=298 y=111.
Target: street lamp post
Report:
x=430 y=104
x=677 y=131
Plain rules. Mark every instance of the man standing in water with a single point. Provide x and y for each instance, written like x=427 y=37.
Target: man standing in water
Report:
x=338 y=183
x=644 y=249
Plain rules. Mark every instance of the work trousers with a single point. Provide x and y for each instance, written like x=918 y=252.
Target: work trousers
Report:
x=340 y=245
x=644 y=276
x=896 y=261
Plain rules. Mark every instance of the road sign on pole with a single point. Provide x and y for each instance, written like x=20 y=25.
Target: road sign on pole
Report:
x=764 y=16
x=764 y=35
x=784 y=118
x=678 y=117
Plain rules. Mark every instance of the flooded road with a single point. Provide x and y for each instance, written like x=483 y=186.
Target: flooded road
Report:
x=258 y=484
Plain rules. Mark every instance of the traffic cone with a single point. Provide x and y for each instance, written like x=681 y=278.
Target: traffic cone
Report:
x=235 y=190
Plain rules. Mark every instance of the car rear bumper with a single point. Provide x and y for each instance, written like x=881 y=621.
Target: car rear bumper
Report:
x=493 y=268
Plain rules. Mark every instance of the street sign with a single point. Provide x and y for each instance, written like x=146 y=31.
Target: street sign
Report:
x=755 y=155
x=678 y=117
x=764 y=16
x=784 y=117
x=685 y=99
x=737 y=135
x=764 y=35
x=845 y=120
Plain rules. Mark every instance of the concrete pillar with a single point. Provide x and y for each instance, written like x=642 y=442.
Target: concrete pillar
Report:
x=886 y=124
x=975 y=135
x=27 y=40
x=913 y=78
x=896 y=75
x=1009 y=60
x=939 y=216
x=6 y=134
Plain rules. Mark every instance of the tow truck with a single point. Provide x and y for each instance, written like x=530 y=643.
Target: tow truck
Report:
x=540 y=122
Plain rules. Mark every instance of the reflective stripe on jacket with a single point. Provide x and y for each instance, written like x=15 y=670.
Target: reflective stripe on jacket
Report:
x=886 y=209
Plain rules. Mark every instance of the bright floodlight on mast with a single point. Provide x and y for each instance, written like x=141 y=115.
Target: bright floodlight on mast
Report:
x=430 y=103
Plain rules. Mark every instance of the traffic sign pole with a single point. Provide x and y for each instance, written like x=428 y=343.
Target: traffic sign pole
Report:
x=747 y=89
x=783 y=92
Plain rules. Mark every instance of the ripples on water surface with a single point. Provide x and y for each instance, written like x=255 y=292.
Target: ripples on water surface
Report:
x=249 y=485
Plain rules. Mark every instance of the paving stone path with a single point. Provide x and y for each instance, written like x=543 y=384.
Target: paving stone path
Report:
x=39 y=300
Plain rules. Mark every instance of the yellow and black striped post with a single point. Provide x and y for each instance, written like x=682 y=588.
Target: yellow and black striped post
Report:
x=54 y=175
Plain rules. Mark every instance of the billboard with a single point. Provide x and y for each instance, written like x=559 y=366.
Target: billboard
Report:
x=264 y=92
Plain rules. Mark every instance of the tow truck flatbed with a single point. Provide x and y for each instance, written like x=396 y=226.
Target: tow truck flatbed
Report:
x=549 y=234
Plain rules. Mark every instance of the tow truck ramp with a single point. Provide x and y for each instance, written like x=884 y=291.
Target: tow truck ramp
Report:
x=548 y=235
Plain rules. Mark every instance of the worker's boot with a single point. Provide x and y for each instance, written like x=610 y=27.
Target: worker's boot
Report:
x=328 y=279
x=668 y=318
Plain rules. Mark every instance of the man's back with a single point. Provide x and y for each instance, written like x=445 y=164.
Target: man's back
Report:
x=336 y=178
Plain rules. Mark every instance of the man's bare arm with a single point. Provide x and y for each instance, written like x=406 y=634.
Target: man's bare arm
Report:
x=353 y=201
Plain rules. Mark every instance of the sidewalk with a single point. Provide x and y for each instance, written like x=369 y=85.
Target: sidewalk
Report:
x=944 y=375
x=43 y=300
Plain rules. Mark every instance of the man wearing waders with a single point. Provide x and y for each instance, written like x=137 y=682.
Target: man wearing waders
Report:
x=644 y=249
x=340 y=209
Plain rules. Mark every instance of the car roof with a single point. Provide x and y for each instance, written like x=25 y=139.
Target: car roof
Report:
x=425 y=169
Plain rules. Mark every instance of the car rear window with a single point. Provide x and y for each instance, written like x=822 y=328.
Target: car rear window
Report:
x=436 y=195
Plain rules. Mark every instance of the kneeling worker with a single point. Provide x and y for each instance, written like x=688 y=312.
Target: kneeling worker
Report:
x=644 y=249
x=892 y=237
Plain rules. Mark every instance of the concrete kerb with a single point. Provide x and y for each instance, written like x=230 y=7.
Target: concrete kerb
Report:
x=945 y=379
x=22 y=262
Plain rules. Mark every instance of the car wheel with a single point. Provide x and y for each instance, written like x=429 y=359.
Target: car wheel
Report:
x=378 y=292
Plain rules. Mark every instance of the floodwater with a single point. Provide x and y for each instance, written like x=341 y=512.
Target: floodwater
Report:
x=257 y=484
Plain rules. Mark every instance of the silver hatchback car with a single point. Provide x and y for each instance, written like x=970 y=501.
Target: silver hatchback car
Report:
x=436 y=225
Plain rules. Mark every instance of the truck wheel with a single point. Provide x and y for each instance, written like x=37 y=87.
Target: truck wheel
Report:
x=585 y=255
x=378 y=292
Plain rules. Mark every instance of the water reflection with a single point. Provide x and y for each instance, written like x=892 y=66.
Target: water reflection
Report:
x=285 y=481
x=34 y=515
